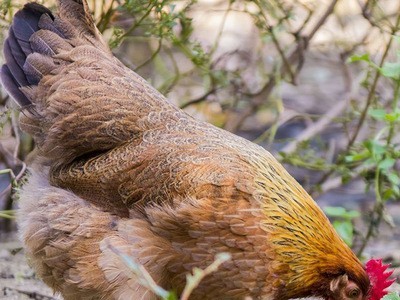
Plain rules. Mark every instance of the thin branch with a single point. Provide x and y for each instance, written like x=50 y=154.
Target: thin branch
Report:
x=296 y=55
x=353 y=88
x=199 y=99
x=154 y=54
x=285 y=61
x=135 y=25
x=376 y=214
x=367 y=105
x=15 y=128
x=221 y=28
x=318 y=126
x=371 y=93
x=278 y=47
x=166 y=87
x=106 y=17
x=283 y=118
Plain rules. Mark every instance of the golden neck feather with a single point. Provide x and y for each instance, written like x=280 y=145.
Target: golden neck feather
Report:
x=309 y=252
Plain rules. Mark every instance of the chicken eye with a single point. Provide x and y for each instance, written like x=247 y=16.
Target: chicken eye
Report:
x=354 y=293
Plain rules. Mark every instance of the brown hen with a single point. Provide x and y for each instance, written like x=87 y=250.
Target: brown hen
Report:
x=117 y=164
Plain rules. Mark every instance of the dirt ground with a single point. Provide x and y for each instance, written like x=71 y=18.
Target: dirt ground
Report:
x=315 y=95
x=18 y=281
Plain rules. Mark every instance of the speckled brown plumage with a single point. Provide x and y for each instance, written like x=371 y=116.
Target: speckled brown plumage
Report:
x=118 y=165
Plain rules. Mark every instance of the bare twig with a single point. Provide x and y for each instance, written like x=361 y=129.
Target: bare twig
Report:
x=199 y=99
x=335 y=182
x=373 y=88
x=353 y=87
x=14 y=123
x=295 y=55
x=285 y=117
x=192 y=281
x=159 y=45
x=144 y=278
x=366 y=13
x=318 y=126
x=221 y=28
x=364 y=112
x=278 y=47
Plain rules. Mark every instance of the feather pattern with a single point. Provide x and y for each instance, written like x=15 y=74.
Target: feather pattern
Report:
x=119 y=167
x=13 y=65
x=12 y=86
x=16 y=49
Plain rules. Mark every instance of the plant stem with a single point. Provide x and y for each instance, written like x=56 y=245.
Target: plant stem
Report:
x=394 y=108
x=367 y=105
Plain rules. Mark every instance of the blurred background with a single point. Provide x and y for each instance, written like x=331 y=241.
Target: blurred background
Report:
x=315 y=82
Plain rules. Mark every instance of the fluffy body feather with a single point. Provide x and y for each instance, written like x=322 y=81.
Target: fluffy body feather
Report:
x=119 y=165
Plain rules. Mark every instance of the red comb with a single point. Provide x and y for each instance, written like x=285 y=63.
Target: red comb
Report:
x=379 y=278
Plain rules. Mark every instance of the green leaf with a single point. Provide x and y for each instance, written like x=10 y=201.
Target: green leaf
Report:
x=346 y=177
x=396 y=190
x=376 y=148
x=172 y=7
x=345 y=230
x=392 y=296
x=357 y=156
x=341 y=212
x=394 y=178
x=369 y=163
x=334 y=211
x=377 y=114
x=387 y=163
x=393 y=117
x=117 y=37
x=363 y=57
x=387 y=194
x=351 y=214
x=391 y=70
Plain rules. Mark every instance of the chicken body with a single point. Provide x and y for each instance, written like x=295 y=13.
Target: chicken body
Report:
x=119 y=167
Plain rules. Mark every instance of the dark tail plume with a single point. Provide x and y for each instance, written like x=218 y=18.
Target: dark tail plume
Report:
x=17 y=47
x=36 y=36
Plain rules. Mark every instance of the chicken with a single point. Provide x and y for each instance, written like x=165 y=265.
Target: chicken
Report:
x=117 y=166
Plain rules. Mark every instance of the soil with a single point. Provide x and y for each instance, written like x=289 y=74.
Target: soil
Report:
x=18 y=281
x=17 y=278
x=314 y=96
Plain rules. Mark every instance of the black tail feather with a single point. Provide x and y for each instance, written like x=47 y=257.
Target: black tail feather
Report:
x=16 y=49
x=48 y=22
x=13 y=65
x=25 y=23
x=12 y=87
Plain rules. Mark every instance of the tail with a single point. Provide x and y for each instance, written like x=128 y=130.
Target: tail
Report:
x=76 y=98
x=35 y=35
x=17 y=47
